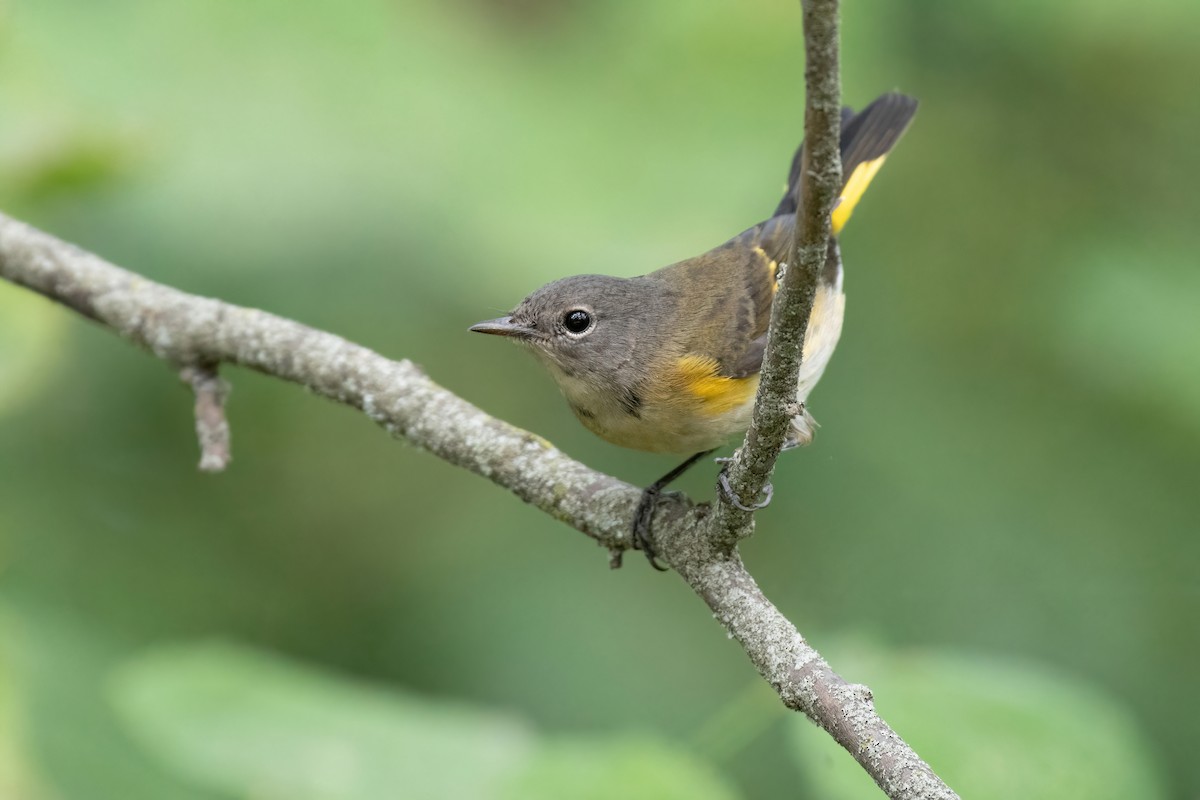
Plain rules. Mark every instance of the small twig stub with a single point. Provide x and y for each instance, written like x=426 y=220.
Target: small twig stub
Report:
x=212 y=428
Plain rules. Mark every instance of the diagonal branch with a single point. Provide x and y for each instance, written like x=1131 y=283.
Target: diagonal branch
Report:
x=806 y=683
x=185 y=329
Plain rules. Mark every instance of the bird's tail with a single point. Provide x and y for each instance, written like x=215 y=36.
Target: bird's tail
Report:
x=867 y=138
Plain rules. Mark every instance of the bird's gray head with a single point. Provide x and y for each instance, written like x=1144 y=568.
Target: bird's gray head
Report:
x=585 y=328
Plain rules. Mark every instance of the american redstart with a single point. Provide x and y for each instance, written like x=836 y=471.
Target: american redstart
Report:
x=668 y=362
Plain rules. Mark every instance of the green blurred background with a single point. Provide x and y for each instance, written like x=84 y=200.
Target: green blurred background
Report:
x=996 y=526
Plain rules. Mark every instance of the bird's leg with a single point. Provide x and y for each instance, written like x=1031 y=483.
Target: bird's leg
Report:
x=644 y=517
x=801 y=434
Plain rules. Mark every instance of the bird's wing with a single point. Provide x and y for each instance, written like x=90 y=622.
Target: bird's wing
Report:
x=755 y=259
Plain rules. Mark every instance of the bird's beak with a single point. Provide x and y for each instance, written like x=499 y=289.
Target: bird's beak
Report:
x=503 y=326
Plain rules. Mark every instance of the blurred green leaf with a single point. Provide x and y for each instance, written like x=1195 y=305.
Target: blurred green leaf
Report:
x=990 y=728
x=68 y=725
x=251 y=723
x=31 y=343
x=244 y=721
x=631 y=768
x=67 y=163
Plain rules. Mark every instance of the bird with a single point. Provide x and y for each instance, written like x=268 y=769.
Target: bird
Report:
x=669 y=362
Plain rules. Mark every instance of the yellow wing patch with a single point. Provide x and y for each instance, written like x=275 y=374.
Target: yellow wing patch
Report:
x=772 y=264
x=852 y=192
x=772 y=267
x=717 y=394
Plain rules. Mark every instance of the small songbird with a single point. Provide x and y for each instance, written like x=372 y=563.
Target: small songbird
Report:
x=669 y=362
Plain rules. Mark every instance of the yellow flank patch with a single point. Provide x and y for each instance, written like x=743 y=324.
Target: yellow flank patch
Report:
x=852 y=192
x=717 y=394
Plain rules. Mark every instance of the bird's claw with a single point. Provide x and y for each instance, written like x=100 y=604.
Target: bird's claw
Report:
x=727 y=491
x=641 y=527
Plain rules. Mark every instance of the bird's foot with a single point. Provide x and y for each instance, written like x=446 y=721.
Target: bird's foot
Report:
x=644 y=518
x=728 y=493
x=642 y=522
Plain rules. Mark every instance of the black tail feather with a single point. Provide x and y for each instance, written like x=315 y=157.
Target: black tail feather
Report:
x=866 y=135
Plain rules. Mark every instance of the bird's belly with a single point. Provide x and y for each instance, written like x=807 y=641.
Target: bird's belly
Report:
x=669 y=430
x=824 y=330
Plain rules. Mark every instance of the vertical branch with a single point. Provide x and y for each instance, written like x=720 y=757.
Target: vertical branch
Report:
x=820 y=182
x=804 y=680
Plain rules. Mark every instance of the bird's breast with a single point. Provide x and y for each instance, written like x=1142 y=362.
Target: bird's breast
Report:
x=683 y=408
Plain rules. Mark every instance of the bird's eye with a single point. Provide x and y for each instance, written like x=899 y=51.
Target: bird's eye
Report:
x=577 y=321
